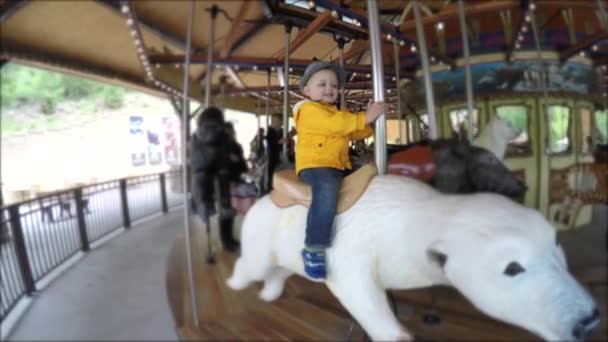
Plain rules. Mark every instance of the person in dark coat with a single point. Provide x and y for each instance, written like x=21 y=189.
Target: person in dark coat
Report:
x=211 y=148
x=273 y=148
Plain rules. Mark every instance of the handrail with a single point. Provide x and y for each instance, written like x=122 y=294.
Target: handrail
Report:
x=36 y=239
x=73 y=188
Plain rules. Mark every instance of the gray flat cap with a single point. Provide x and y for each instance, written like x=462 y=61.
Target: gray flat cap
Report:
x=315 y=67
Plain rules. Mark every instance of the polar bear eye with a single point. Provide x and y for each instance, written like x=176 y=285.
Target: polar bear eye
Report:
x=513 y=268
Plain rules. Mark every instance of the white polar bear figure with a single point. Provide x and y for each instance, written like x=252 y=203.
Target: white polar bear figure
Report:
x=495 y=136
x=402 y=234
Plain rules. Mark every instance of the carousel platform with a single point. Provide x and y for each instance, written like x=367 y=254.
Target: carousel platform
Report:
x=308 y=311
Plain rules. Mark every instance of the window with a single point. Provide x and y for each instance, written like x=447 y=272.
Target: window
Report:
x=393 y=136
x=410 y=130
x=517 y=116
x=601 y=126
x=559 y=123
x=586 y=130
x=458 y=121
x=424 y=126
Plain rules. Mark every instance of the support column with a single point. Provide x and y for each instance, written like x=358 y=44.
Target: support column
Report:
x=397 y=77
x=467 y=70
x=214 y=10
x=375 y=39
x=185 y=161
x=426 y=69
x=286 y=90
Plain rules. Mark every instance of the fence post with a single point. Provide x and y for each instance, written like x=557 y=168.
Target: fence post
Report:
x=22 y=259
x=163 y=193
x=126 y=218
x=82 y=225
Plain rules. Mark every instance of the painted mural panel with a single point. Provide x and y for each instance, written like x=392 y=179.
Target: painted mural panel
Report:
x=521 y=75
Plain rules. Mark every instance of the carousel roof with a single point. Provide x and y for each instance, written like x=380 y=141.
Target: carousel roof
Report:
x=142 y=44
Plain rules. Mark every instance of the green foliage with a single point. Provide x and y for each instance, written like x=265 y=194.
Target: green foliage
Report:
x=24 y=85
x=113 y=97
x=516 y=115
x=47 y=105
x=560 y=124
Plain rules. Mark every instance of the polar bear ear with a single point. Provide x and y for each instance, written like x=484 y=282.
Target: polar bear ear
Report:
x=437 y=253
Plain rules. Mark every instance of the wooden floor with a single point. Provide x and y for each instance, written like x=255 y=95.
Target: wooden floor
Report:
x=308 y=311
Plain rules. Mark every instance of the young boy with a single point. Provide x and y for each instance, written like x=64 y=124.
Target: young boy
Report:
x=324 y=133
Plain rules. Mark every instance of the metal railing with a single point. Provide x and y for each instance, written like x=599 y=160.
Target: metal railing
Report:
x=38 y=235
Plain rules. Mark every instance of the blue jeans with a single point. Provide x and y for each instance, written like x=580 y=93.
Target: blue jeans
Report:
x=325 y=183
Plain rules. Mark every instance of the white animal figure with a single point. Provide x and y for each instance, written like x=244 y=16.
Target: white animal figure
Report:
x=496 y=135
x=402 y=234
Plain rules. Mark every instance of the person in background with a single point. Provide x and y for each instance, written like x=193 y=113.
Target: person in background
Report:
x=273 y=148
x=212 y=161
x=238 y=164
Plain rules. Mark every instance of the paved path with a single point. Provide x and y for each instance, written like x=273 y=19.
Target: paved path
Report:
x=116 y=292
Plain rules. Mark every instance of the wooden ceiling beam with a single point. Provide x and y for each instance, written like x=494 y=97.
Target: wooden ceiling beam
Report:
x=298 y=16
x=10 y=8
x=170 y=38
x=361 y=15
x=315 y=26
x=451 y=11
x=260 y=62
x=234 y=29
x=582 y=45
x=365 y=85
x=247 y=36
x=240 y=84
x=356 y=48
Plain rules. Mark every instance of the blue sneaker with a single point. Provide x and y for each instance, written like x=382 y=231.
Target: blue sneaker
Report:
x=314 y=263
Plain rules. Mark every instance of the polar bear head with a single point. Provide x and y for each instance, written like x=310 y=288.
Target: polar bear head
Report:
x=502 y=129
x=509 y=264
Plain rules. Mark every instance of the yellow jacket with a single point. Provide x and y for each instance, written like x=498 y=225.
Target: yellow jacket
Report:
x=324 y=133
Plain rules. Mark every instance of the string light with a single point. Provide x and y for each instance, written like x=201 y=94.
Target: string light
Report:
x=439 y=26
x=143 y=58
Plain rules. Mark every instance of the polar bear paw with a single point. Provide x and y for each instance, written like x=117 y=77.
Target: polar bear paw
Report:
x=404 y=336
x=238 y=280
x=270 y=293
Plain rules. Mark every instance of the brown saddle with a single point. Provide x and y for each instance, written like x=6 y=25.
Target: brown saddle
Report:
x=289 y=190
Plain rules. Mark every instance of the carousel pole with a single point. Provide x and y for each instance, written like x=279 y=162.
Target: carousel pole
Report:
x=428 y=82
x=210 y=258
x=222 y=90
x=431 y=317
x=341 y=42
x=187 y=195
x=286 y=91
x=467 y=70
x=266 y=175
x=268 y=101
x=603 y=14
x=214 y=11
x=258 y=112
x=545 y=108
x=375 y=39
x=397 y=68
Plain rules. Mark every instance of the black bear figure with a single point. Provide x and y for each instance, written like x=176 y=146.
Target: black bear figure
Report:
x=210 y=148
